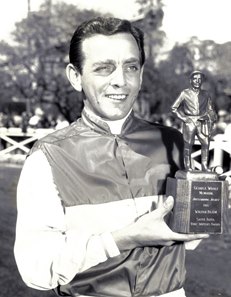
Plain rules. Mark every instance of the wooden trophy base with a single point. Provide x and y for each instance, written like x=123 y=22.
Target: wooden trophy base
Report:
x=201 y=202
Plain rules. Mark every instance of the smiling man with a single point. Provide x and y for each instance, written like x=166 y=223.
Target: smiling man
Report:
x=111 y=75
x=91 y=206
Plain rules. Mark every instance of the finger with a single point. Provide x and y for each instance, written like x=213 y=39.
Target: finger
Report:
x=189 y=237
x=166 y=207
x=166 y=243
x=168 y=203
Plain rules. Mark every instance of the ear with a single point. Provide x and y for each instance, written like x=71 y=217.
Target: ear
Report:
x=74 y=77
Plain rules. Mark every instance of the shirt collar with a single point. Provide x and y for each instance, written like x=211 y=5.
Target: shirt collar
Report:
x=116 y=126
x=196 y=91
x=101 y=125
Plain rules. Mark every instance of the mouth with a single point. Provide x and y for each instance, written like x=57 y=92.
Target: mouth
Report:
x=119 y=97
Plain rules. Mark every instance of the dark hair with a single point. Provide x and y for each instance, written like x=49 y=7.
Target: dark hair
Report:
x=106 y=26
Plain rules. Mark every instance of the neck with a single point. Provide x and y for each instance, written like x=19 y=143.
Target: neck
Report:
x=196 y=90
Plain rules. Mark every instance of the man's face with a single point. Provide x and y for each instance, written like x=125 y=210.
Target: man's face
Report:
x=196 y=81
x=112 y=75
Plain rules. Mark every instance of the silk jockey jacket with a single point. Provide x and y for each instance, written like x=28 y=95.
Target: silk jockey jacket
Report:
x=95 y=171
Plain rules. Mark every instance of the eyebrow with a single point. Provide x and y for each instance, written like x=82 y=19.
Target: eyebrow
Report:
x=103 y=62
x=132 y=60
x=110 y=61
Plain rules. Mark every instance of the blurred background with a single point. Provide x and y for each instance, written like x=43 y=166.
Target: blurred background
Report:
x=181 y=35
x=36 y=98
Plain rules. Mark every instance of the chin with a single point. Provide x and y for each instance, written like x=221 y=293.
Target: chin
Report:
x=115 y=116
x=118 y=116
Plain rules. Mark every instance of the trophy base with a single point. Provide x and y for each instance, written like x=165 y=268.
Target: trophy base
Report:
x=201 y=202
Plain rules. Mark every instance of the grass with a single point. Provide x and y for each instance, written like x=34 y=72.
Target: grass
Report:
x=10 y=280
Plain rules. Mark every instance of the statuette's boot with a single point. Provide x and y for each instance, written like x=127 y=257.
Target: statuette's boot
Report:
x=204 y=160
x=187 y=160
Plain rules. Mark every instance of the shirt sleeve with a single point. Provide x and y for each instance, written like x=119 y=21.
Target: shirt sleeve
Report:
x=178 y=102
x=176 y=106
x=48 y=253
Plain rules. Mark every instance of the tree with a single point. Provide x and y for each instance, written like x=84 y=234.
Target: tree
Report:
x=150 y=21
x=35 y=62
x=151 y=12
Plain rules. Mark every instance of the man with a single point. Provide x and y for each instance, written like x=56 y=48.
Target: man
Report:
x=91 y=210
x=194 y=108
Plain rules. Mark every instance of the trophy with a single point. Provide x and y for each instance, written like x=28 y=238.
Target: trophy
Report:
x=201 y=196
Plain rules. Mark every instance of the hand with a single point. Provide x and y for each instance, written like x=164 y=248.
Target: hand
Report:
x=204 y=118
x=187 y=120
x=151 y=230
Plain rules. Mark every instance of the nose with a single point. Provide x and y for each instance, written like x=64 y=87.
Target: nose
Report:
x=118 y=78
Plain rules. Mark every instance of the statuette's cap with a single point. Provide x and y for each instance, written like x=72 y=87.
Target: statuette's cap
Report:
x=196 y=72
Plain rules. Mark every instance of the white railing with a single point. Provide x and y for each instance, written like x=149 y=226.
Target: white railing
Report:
x=219 y=147
x=16 y=144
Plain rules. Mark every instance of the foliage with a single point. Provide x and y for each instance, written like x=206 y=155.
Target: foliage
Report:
x=164 y=80
x=203 y=55
x=33 y=67
x=151 y=93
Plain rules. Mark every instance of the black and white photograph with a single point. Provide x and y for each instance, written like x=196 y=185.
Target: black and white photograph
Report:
x=115 y=148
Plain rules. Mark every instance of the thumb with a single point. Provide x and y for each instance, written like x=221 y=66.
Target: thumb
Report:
x=167 y=205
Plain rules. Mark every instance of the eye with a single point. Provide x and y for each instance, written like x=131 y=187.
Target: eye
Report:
x=132 y=68
x=104 y=69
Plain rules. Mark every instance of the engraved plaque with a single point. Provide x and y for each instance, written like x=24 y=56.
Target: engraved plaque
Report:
x=206 y=205
x=201 y=203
